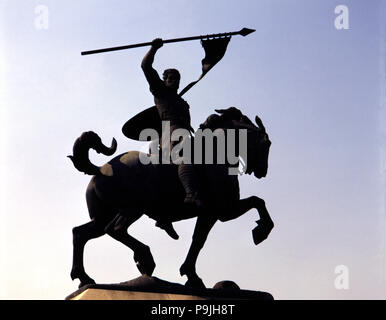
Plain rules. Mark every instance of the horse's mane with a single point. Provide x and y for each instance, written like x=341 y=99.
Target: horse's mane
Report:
x=223 y=119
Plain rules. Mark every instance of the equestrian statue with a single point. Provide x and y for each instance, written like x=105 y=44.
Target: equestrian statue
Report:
x=126 y=187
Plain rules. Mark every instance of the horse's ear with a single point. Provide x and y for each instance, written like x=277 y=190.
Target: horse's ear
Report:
x=220 y=111
x=230 y=113
x=259 y=123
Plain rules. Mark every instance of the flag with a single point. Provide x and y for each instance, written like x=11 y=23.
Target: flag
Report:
x=214 y=51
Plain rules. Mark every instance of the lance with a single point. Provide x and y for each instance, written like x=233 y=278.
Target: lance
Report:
x=243 y=32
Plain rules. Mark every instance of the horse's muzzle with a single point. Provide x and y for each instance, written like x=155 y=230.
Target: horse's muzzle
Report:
x=260 y=175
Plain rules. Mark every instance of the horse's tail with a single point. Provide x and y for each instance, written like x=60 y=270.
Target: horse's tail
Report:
x=89 y=140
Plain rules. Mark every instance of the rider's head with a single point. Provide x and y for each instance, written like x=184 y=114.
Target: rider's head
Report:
x=171 y=78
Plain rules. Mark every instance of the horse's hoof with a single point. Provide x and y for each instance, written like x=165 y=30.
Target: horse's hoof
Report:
x=185 y=270
x=196 y=283
x=86 y=282
x=262 y=231
x=82 y=276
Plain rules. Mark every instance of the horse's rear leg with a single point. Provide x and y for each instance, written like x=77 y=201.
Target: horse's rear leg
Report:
x=117 y=229
x=81 y=235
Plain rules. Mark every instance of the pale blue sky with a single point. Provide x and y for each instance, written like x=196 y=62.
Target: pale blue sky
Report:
x=318 y=91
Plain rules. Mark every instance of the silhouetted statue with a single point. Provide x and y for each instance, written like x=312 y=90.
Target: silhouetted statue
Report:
x=124 y=189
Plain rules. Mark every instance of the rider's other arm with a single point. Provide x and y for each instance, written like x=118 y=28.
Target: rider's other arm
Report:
x=147 y=63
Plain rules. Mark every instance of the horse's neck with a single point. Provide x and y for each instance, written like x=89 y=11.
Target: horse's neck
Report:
x=223 y=152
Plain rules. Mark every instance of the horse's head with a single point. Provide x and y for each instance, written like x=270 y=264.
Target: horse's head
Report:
x=258 y=148
x=258 y=142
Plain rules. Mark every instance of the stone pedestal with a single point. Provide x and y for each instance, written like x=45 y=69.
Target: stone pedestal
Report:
x=152 y=288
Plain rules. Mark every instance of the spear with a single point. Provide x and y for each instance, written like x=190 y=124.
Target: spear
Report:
x=243 y=32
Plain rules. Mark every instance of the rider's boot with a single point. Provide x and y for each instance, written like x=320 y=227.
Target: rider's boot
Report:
x=188 y=179
x=168 y=227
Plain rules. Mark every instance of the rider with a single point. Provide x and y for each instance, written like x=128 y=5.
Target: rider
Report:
x=171 y=107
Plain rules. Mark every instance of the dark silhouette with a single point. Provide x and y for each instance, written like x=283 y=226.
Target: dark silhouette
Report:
x=124 y=189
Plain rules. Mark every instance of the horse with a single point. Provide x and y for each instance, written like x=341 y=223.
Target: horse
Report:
x=124 y=189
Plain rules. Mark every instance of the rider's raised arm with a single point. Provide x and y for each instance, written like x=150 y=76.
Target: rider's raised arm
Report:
x=151 y=75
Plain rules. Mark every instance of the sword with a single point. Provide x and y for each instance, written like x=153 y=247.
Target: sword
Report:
x=243 y=32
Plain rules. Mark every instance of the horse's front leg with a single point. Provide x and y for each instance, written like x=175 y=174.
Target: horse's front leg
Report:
x=265 y=224
x=188 y=268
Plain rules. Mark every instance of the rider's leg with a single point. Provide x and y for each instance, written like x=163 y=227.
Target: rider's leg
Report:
x=188 y=178
x=187 y=175
x=187 y=172
x=163 y=222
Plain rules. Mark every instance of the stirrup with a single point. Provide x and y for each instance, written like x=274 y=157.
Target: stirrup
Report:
x=168 y=227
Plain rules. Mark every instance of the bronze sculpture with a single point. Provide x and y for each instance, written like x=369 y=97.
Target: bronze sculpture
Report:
x=124 y=189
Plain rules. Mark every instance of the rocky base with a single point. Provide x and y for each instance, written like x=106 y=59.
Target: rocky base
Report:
x=153 y=288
